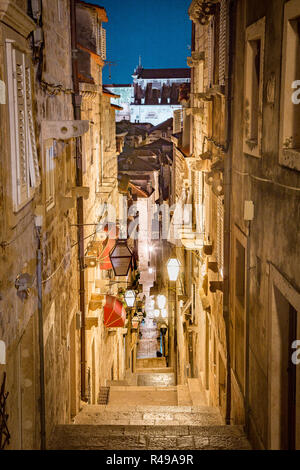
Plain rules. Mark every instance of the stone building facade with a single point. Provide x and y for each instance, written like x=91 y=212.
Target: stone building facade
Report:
x=156 y=94
x=245 y=247
x=58 y=143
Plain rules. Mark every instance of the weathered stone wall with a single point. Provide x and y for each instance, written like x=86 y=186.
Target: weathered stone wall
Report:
x=18 y=328
x=273 y=235
x=60 y=270
x=52 y=101
x=105 y=352
x=209 y=345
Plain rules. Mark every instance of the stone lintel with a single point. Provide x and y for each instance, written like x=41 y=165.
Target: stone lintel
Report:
x=16 y=18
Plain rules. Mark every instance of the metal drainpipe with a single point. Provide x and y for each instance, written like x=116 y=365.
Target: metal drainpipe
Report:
x=79 y=182
x=41 y=341
x=227 y=201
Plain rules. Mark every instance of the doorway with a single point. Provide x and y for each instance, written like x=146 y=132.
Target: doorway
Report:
x=284 y=409
x=73 y=381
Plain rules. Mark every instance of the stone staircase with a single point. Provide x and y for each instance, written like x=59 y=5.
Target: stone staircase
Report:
x=148 y=418
x=115 y=427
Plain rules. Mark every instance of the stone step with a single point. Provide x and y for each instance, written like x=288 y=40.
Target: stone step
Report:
x=155 y=370
x=169 y=416
x=106 y=437
x=156 y=379
x=143 y=394
x=147 y=408
x=117 y=383
x=151 y=362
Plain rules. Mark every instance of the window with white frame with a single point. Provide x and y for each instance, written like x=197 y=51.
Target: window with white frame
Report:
x=49 y=175
x=24 y=159
x=199 y=199
x=290 y=91
x=254 y=70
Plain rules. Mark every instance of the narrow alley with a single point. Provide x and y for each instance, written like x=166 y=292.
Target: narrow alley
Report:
x=150 y=225
x=154 y=415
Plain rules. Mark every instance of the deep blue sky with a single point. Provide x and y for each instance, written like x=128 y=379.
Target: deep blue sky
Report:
x=158 y=30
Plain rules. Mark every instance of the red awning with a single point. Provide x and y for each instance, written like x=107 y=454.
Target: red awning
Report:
x=108 y=246
x=114 y=313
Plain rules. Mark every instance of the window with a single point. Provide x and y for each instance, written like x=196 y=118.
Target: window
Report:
x=240 y=273
x=101 y=41
x=200 y=73
x=239 y=309
x=290 y=103
x=49 y=175
x=220 y=235
x=68 y=166
x=177 y=120
x=24 y=160
x=211 y=49
x=254 y=67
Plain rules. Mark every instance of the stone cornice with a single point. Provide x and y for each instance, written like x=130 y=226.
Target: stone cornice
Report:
x=89 y=91
x=16 y=18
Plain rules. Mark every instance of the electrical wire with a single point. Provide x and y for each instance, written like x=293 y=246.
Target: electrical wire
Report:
x=57 y=269
x=6 y=244
x=265 y=180
x=54 y=90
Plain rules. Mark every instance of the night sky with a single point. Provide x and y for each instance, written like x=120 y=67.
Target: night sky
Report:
x=158 y=30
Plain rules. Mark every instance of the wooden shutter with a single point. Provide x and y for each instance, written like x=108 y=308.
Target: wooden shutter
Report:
x=222 y=41
x=50 y=182
x=177 y=121
x=30 y=134
x=198 y=200
x=20 y=113
x=103 y=43
x=24 y=159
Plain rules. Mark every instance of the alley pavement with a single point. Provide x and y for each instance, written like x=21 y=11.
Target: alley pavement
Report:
x=149 y=417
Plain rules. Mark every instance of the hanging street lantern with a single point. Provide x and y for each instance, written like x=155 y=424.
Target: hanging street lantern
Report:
x=121 y=258
x=130 y=298
x=163 y=329
x=161 y=302
x=173 y=268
